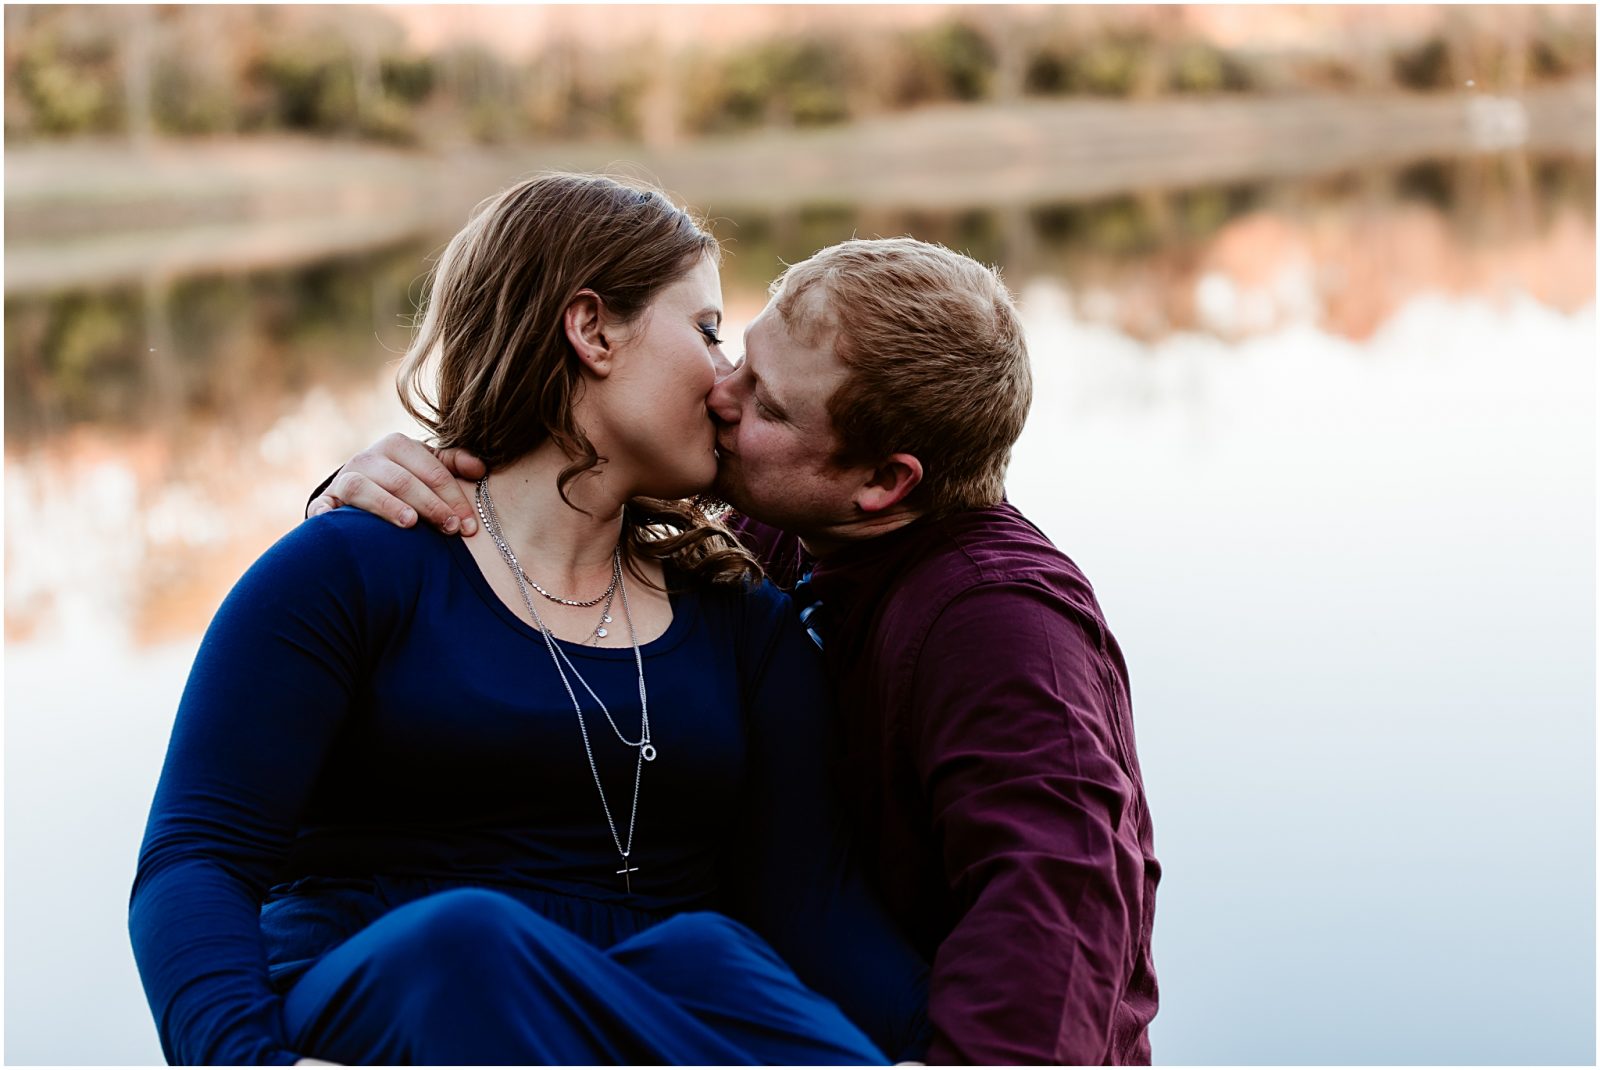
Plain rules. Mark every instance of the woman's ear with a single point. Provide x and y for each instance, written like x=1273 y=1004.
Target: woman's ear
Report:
x=585 y=322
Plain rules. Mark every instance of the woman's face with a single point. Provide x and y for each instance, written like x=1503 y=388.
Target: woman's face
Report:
x=653 y=404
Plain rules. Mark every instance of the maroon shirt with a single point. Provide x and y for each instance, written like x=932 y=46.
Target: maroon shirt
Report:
x=989 y=750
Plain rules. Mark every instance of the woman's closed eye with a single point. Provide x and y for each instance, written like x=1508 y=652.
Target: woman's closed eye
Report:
x=710 y=331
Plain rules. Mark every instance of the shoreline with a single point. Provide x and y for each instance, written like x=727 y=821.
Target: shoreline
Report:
x=95 y=213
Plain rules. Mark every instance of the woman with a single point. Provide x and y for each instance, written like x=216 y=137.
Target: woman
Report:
x=435 y=800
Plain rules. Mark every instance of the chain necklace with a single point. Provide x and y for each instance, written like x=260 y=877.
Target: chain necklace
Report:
x=605 y=594
x=505 y=550
x=646 y=751
x=600 y=631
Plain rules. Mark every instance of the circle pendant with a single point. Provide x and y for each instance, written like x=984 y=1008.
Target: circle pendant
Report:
x=601 y=632
x=648 y=753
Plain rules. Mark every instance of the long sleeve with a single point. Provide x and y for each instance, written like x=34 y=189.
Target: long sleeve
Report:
x=1023 y=762
x=780 y=553
x=795 y=871
x=274 y=676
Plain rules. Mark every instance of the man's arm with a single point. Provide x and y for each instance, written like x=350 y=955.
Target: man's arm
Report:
x=780 y=553
x=1016 y=742
x=793 y=871
x=399 y=479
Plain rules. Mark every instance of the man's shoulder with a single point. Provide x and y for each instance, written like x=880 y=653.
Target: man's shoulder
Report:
x=992 y=546
x=990 y=560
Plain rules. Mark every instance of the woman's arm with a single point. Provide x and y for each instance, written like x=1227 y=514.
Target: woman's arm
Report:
x=794 y=872
x=269 y=688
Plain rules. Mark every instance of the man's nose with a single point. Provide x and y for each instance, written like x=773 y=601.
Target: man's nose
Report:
x=723 y=401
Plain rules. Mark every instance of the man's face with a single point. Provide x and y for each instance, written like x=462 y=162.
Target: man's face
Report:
x=774 y=436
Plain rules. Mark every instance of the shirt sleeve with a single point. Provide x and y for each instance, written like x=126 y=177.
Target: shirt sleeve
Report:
x=796 y=876
x=271 y=683
x=1019 y=756
x=321 y=487
x=780 y=553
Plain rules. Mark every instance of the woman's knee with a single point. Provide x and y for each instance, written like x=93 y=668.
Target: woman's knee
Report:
x=462 y=931
x=707 y=936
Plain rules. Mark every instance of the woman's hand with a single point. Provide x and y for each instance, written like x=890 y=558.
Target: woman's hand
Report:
x=399 y=479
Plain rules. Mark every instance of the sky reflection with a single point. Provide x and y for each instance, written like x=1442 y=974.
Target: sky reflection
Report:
x=1347 y=548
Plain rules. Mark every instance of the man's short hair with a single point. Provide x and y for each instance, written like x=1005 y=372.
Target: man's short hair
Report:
x=938 y=367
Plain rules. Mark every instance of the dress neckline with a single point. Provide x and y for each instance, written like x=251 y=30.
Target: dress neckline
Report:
x=685 y=607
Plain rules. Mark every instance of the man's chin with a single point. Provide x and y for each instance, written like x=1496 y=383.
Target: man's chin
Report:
x=728 y=489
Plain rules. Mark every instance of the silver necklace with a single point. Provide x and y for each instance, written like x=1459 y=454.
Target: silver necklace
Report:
x=600 y=631
x=646 y=752
x=605 y=594
x=511 y=558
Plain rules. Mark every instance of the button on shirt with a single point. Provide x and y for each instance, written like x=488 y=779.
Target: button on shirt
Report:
x=989 y=754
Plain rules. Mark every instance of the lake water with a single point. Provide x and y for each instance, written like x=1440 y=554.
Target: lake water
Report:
x=1326 y=450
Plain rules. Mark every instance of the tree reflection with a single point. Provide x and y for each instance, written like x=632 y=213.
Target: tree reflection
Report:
x=197 y=350
x=212 y=347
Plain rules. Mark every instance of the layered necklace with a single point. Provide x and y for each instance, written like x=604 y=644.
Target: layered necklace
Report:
x=646 y=751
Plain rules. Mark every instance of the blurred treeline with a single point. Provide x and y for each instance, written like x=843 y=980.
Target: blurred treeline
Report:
x=199 y=349
x=140 y=354
x=208 y=70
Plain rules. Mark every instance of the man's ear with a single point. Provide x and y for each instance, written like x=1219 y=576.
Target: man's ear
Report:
x=889 y=483
x=585 y=322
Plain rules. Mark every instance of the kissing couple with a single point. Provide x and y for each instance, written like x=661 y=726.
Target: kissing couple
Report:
x=588 y=768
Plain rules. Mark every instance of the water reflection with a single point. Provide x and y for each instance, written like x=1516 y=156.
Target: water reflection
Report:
x=194 y=394
x=1325 y=448
x=202 y=349
x=1345 y=251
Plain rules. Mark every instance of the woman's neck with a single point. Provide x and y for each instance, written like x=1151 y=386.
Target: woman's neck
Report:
x=566 y=549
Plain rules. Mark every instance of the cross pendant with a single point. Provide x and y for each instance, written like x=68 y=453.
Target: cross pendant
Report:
x=626 y=873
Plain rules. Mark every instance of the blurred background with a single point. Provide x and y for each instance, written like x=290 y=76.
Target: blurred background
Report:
x=1310 y=299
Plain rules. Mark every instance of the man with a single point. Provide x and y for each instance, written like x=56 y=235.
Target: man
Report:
x=988 y=736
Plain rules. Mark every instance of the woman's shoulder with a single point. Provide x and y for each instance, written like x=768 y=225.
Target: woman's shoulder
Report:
x=755 y=618
x=750 y=603
x=357 y=524
x=356 y=545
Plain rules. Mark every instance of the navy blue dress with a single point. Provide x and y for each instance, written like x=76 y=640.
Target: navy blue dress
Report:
x=376 y=837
